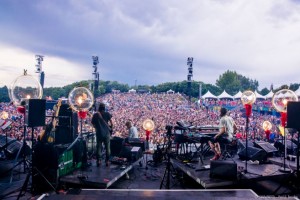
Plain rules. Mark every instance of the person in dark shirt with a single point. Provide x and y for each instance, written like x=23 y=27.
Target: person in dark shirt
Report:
x=102 y=122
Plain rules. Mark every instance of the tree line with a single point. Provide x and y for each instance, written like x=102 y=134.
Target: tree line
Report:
x=230 y=81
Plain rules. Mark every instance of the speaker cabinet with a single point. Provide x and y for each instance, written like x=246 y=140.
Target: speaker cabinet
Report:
x=223 y=170
x=266 y=146
x=293 y=115
x=116 y=146
x=253 y=153
x=35 y=112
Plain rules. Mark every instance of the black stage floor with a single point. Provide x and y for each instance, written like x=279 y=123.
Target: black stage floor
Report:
x=159 y=195
x=191 y=180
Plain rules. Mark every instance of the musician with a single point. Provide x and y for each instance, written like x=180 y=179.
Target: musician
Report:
x=102 y=122
x=132 y=130
x=226 y=132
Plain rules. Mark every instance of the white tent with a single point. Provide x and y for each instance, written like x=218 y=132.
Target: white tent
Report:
x=132 y=91
x=170 y=92
x=238 y=95
x=259 y=96
x=269 y=95
x=208 y=95
x=225 y=95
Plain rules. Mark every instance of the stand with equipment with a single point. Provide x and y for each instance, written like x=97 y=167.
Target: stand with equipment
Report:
x=167 y=173
x=248 y=98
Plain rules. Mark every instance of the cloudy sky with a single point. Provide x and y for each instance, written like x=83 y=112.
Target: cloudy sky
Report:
x=149 y=40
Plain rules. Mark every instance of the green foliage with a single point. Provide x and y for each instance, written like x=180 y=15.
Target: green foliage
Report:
x=264 y=91
x=294 y=86
x=232 y=82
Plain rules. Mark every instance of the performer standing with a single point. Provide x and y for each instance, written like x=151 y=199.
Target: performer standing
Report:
x=226 y=131
x=102 y=122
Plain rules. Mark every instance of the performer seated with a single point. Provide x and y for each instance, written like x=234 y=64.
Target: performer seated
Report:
x=132 y=131
x=225 y=135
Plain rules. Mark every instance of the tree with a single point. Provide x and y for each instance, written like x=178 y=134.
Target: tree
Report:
x=264 y=91
x=233 y=82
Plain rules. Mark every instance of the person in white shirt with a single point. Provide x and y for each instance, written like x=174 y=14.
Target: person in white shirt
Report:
x=132 y=130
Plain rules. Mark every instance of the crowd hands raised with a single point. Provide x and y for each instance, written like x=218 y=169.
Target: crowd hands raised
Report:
x=163 y=109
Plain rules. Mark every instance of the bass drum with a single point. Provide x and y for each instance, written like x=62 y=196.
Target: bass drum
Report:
x=91 y=143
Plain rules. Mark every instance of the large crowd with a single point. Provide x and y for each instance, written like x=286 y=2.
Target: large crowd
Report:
x=163 y=109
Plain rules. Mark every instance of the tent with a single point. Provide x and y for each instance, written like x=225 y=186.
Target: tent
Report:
x=259 y=96
x=238 y=95
x=170 y=92
x=269 y=95
x=132 y=91
x=209 y=95
x=225 y=95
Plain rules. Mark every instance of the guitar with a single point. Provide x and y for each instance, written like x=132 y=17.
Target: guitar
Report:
x=48 y=135
x=51 y=137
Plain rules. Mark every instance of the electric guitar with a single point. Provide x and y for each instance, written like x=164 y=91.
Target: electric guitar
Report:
x=51 y=137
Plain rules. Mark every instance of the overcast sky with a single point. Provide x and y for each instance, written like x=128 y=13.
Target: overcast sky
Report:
x=150 y=40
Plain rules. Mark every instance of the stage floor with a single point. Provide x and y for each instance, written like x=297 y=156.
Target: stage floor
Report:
x=159 y=195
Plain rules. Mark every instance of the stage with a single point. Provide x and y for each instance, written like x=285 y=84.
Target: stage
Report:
x=231 y=194
x=255 y=172
x=92 y=176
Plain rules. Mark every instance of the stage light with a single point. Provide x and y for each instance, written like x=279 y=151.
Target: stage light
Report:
x=248 y=97
x=281 y=98
x=267 y=125
x=25 y=87
x=148 y=125
x=81 y=99
x=4 y=115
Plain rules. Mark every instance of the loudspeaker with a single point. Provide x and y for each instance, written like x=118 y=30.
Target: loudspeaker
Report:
x=266 y=146
x=291 y=148
x=126 y=152
x=63 y=135
x=116 y=146
x=137 y=142
x=253 y=154
x=35 y=112
x=223 y=169
x=293 y=115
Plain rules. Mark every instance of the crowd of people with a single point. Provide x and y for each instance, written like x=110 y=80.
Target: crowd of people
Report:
x=164 y=109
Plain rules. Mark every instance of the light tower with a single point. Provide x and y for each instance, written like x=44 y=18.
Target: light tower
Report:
x=190 y=75
x=95 y=74
x=39 y=68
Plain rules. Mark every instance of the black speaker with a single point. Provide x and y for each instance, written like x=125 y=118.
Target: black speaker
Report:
x=293 y=115
x=63 y=135
x=116 y=145
x=126 y=152
x=253 y=154
x=291 y=147
x=35 y=112
x=266 y=146
x=223 y=169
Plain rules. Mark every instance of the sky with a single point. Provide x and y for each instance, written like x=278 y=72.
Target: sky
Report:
x=149 y=41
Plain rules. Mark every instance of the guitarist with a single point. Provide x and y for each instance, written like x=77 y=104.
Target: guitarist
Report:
x=102 y=122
